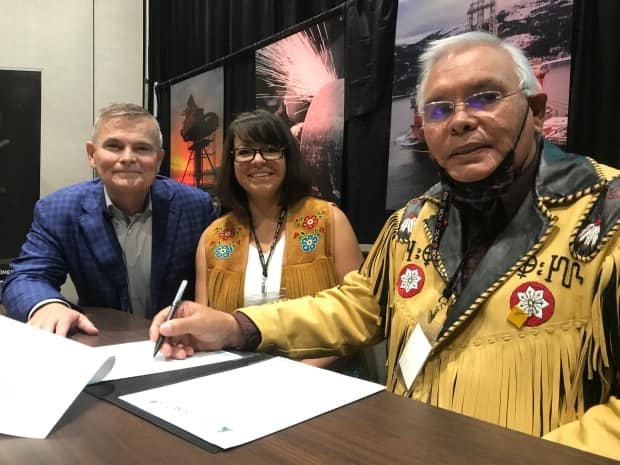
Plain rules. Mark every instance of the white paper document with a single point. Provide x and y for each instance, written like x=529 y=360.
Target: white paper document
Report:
x=243 y=404
x=136 y=359
x=41 y=374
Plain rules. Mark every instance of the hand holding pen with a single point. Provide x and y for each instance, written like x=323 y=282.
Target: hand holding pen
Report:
x=173 y=310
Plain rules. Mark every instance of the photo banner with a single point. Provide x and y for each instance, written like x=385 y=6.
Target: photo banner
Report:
x=301 y=79
x=20 y=149
x=541 y=28
x=196 y=133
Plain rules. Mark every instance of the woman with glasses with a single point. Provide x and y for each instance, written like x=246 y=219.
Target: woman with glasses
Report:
x=277 y=241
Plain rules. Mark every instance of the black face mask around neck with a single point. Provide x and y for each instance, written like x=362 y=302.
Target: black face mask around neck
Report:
x=485 y=190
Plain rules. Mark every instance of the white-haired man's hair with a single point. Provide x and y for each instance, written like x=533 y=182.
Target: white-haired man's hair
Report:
x=439 y=48
x=129 y=111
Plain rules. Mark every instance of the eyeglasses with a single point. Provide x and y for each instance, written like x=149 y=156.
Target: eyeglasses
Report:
x=247 y=154
x=437 y=112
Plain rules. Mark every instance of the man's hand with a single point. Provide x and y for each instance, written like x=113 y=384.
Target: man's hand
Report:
x=195 y=328
x=58 y=318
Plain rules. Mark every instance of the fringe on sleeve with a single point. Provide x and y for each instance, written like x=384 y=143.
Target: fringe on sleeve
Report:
x=377 y=267
x=606 y=301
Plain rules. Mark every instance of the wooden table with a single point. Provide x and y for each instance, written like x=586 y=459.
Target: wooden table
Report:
x=383 y=429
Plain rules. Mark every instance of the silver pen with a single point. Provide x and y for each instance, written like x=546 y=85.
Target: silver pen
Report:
x=173 y=310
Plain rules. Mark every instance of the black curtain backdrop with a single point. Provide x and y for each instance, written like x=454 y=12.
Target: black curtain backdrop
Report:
x=594 y=122
x=190 y=36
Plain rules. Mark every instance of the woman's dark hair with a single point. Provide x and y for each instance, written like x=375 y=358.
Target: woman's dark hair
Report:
x=262 y=127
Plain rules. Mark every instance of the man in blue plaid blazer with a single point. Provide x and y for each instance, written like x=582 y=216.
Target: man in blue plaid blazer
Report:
x=127 y=239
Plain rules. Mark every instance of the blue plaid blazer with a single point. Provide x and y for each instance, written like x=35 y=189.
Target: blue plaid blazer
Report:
x=72 y=233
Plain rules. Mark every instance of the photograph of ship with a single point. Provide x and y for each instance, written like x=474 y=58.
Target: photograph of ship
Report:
x=301 y=79
x=542 y=28
x=196 y=135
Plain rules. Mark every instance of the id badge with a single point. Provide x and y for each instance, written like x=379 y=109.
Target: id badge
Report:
x=264 y=297
x=260 y=299
x=414 y=355
x=418 y=346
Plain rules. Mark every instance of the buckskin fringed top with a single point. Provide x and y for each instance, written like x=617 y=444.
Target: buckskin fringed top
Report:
x=307 y=265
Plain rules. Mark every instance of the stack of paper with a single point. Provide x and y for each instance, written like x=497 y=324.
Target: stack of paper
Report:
x=237 y=406
x=41 y=375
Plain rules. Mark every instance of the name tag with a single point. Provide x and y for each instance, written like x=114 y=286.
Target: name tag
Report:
x=414 y=356
x=260 y=299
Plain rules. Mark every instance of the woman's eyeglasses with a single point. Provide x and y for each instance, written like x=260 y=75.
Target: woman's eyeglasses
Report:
x=247 y=154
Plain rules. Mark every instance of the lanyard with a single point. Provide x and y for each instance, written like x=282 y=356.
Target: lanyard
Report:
x=447 y=296
x=265 y=264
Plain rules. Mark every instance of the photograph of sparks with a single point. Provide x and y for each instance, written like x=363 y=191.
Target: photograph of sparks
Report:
x=196 y=135
x=542 y=28
x=301 y=79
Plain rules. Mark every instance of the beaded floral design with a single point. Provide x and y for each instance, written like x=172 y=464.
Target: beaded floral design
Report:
x=226 y=243
x=308 y=230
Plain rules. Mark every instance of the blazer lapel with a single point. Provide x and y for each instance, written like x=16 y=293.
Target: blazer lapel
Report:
x=100 y=237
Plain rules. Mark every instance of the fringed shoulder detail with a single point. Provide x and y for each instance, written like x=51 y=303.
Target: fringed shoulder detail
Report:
x=598 y=224
x=409 y=218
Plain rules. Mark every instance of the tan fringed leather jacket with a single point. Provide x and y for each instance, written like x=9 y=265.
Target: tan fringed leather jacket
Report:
x=528 y=343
